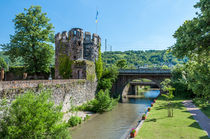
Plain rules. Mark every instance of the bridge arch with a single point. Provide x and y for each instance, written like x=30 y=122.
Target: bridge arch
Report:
x=121 y=86
x=128 y=85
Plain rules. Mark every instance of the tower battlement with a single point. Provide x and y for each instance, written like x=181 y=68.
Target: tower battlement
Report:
x=77 y=33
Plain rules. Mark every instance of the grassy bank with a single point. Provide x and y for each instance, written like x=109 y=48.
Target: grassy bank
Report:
x=181 y=126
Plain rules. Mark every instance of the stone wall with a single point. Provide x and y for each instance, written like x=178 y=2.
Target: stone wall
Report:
x=75 y=92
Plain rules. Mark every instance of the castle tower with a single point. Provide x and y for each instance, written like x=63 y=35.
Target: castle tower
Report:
x=78 y=49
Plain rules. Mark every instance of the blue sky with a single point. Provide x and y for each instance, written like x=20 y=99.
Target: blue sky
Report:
x=127 y=24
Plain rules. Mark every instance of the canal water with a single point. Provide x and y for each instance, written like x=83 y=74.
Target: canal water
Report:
x=116 y=123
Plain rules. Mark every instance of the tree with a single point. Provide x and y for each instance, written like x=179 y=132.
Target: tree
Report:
x=169 y=95
x=3 y=64
x=165 y=67
x=99 y=64
x=31 y=41
x=121 y=63
x=192 y=38
x=192 y=41
x=108 y=78
x=180 y=83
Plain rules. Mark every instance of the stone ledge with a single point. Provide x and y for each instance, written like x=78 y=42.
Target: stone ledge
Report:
x=34 y=83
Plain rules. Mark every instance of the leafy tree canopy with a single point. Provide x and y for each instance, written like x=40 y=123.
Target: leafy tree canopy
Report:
x=31 y=41
x=121 y=63
x=3 y=64
x=148 y=58
x=192 y=40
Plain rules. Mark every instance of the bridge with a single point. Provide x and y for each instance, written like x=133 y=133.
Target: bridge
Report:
x=122 y=84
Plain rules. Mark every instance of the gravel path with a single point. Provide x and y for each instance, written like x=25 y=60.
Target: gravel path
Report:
x=198 y=115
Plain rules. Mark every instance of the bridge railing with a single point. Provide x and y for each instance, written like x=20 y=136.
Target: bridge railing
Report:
x=145 y=70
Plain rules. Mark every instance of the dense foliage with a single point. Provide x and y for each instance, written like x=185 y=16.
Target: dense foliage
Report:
x=121 y=64
x=192 y=41
x=135 y=59
x=74 y=121
x=108 y=78
x=31 y=41
x=32 y=116
x=17 y=62
x=178 y=81
x=102 y=103
x=99 y=64
x=3 y=64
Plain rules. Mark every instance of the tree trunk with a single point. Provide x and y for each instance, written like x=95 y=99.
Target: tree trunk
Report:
x=2 y=74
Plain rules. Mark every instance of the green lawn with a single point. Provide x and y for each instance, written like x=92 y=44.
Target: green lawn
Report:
x=181 y=126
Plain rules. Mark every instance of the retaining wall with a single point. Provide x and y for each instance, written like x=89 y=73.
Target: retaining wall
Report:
x=69 y=92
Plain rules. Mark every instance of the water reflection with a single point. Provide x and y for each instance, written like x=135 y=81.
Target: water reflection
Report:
x=151 y=93
x=114 y=124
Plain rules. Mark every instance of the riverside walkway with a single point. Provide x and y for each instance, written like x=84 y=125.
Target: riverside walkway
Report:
x=198 y=115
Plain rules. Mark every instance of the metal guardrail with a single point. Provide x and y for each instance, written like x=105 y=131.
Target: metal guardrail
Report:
x=145 y=71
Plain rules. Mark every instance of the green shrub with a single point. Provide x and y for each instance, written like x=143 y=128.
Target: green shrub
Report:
x=86 y=117
x=3 y=64
x=87 y=106
x=104 y=84
x=108 y=78
x=201 y=102
x=74 y=121
x=33 y=116
x=102 y=103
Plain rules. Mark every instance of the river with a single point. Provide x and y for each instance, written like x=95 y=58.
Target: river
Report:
x=116 y=123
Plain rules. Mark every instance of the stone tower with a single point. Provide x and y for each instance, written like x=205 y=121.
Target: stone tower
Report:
x=76 y=47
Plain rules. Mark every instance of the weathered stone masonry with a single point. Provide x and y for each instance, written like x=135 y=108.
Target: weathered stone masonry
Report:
x=76 y=47
x=63 y=91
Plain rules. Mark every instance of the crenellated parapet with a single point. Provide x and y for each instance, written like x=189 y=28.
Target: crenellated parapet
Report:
x=77 y=45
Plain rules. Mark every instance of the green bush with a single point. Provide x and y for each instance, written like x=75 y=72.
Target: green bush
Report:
x=108 y=78
x=74 y=121
x=180 y=83
x=201 y=102
x=102 y=103
x=87 y=106
x=104 y=84
x=86 y=117
x=32 y=116
x=3 y=64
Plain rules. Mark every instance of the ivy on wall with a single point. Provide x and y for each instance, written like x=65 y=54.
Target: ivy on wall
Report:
x=99 y=64
x=64 y=68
